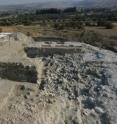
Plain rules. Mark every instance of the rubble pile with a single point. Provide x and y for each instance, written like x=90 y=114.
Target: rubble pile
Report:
x=88 y=77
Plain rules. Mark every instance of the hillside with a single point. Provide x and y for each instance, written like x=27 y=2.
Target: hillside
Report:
x=33 y=6
x=98 y=3
x=63 y=4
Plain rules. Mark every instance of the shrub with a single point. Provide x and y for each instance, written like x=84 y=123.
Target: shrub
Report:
x=100 y=23
x=108 y=25
x=58 y=26
x=69 y=25
x=28 y=34
x=91 y=37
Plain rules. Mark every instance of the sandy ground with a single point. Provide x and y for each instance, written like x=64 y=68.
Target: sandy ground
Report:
x=6 y=91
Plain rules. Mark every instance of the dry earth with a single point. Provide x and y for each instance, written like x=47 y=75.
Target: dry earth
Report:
x=78 y=88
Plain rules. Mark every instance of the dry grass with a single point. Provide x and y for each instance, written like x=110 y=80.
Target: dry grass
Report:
x=8 y=28
x=103 y=31
x=37 y=30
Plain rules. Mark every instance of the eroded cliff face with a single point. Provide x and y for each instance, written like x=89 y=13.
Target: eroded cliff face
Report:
x=76 y=88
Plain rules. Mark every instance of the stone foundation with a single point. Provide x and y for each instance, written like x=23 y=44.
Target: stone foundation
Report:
x=18 y=72
x=33 y=52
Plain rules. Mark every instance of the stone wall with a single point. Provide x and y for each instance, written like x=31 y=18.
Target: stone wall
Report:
x=18 y=72
x=51 y=39
x=33 y=52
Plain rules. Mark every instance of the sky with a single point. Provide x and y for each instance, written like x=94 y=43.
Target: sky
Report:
x=11 y=2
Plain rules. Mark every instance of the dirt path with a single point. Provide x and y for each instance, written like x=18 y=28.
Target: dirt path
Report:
x=39 y=66
x=6 y=91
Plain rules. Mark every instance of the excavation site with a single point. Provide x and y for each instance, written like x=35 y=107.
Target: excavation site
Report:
x=56 y=81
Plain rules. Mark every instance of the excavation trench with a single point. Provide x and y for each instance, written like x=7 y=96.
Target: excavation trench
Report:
x=18 y=72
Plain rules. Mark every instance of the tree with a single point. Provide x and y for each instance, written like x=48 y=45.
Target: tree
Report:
x=58 y=26
x=48 y=11
x=71 y=9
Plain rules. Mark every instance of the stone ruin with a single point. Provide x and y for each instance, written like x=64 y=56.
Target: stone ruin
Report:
x=15 y=71
x=79 y=84
x=33 y=52
x=18 y=72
